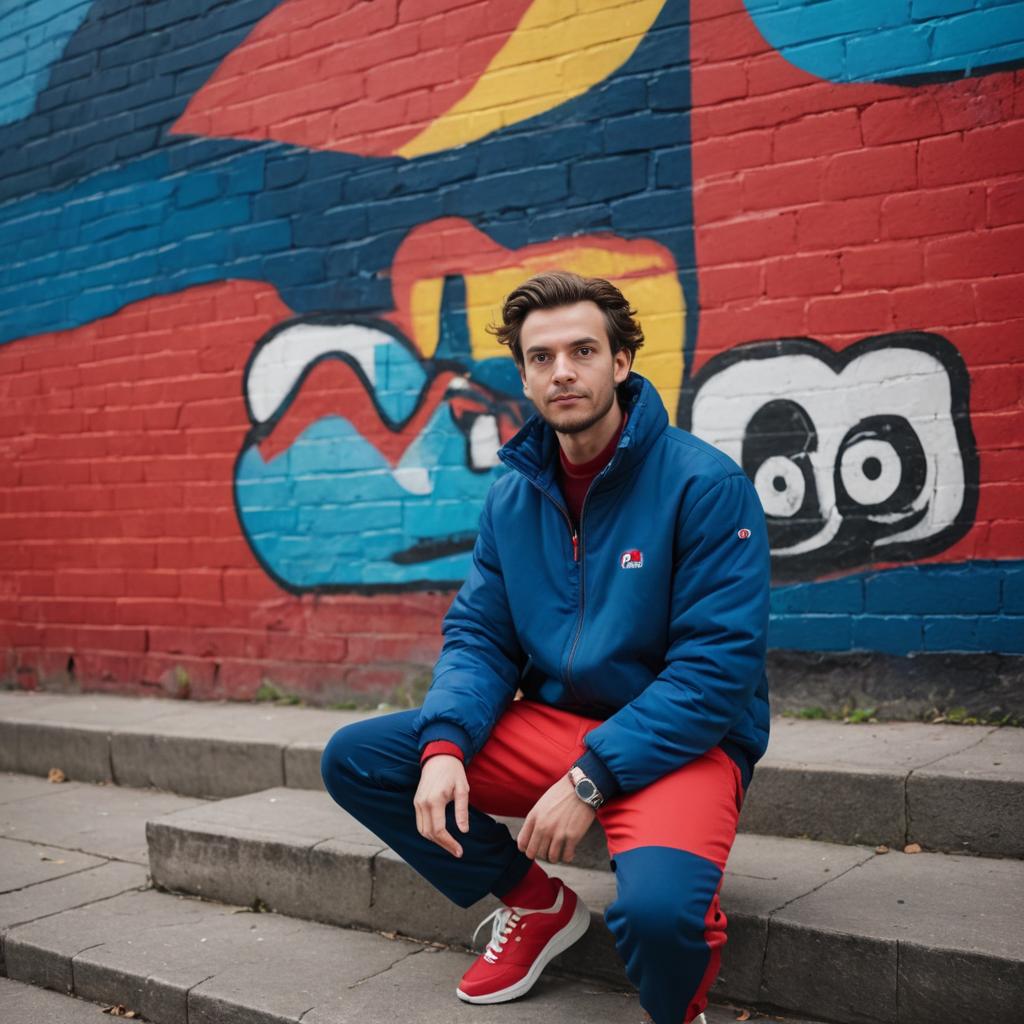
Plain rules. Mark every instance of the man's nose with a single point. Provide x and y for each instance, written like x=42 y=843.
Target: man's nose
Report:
x=563 y=368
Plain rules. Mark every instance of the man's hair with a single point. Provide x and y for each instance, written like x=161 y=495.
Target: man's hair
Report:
x=556 y=288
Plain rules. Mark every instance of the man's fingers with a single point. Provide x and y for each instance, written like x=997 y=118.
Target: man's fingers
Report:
x=441 y=835
x=462 y=808
x=524 y=834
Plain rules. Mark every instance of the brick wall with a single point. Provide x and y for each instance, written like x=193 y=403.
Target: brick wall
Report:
x=250 y=250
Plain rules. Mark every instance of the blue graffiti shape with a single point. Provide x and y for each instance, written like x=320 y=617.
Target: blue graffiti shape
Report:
x=33 y=34
x=880 y=41
x=330 y=509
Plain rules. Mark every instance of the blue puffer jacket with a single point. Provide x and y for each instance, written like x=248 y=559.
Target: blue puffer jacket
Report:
x=657 y=623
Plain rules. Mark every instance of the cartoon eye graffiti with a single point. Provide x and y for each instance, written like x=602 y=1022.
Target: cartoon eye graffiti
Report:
x=858 y=456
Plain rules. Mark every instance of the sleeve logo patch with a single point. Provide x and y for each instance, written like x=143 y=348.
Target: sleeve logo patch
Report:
x=743 y=534
x=631 y=560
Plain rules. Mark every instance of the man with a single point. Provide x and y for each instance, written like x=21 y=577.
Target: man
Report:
x=620 y=581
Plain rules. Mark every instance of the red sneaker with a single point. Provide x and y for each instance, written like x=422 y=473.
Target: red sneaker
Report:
x=521 y=946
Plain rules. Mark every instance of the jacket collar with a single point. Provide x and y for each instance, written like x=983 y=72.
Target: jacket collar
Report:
x=534 y=449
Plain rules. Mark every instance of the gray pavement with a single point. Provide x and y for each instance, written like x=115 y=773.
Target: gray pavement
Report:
x=947 y=787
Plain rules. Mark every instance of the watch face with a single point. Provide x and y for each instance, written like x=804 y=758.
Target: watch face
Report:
x=586 y=790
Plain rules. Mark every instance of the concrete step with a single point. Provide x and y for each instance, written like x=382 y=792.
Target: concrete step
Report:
x=79 y=915
x=948 y=788
x=935 y=935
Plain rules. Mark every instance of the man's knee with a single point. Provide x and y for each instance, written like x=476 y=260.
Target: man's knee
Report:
x=370 y=754
x=665 y=899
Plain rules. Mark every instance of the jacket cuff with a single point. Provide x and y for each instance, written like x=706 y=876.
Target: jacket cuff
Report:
x=599 y=774
x=446 y=731
x=442 y=747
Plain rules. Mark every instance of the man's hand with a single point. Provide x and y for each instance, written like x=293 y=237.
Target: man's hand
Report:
x=555 y=824
x=442 y=780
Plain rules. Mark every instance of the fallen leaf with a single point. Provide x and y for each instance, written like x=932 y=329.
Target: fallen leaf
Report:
x=119 y=1010
x=56 y=775
x=912 y=848
x=743 y=1015
x=55 y=860
x=882 y=848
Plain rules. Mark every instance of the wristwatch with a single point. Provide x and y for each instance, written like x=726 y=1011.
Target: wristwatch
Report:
x=585 y=789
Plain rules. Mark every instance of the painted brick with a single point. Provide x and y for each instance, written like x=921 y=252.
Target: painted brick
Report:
x=594 y=180
x=1006 y=203
x=829 y=225
x=818 y=135
x=816 y=274
x=999 y=251
x=867 y=313
x=890 y=634
x=934 y=212
x=882 y=265
x=771 y=188
x=966 y=633
x=932 y=306
x=810 y=632
x=871 y=172
x=845 y=595
x=967 y=592
x=1013 y=592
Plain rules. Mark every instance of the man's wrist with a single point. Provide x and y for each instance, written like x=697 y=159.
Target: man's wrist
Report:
x=585 y=788
x=597 y=771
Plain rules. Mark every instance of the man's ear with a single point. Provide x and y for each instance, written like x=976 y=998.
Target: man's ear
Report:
x=623 y=364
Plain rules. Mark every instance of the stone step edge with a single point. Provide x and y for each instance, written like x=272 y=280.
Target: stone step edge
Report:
x=942 y=811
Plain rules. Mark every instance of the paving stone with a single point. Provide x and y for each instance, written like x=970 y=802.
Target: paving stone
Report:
x=81 y=753
x=948 y=910
x=30 y=863
x=972 y=801
x=204 y=751
x=30 y=1005
x=841 y=782
x=290 y=849
x=14 y=786
x=107 y=821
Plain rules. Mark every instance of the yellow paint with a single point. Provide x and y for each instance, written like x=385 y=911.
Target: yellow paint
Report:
x=555 y=54
x=654 y=292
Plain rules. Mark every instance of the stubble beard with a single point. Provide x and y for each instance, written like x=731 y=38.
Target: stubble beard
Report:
x=582 y=424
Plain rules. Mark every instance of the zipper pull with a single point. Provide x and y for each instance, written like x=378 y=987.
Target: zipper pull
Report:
x=575 y=546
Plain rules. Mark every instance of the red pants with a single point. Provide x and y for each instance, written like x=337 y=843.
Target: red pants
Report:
x=668 y=842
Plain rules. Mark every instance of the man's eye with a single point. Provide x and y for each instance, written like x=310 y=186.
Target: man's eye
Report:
x=584 y=350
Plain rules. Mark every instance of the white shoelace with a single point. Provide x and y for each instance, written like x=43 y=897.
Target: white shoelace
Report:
x=505 y=919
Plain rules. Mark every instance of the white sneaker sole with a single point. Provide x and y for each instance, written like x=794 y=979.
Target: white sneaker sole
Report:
x=559 y=943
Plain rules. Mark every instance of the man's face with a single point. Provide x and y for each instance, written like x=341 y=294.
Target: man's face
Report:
x=569 y=372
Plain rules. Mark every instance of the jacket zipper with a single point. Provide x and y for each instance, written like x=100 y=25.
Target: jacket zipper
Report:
x=583 y=574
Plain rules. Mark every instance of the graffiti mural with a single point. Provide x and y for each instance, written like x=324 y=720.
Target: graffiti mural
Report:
x=252 y=250
x=869 y=455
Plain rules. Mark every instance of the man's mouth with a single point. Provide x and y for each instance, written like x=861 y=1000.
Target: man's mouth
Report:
x=565 y=399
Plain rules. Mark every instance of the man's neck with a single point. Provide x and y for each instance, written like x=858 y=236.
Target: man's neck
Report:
x=588 y=444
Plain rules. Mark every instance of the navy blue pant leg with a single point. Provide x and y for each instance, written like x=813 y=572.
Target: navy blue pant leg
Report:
x=371 y=769
x=667 y=928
